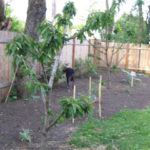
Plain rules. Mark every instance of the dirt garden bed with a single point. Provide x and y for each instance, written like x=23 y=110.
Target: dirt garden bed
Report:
x=27 y=114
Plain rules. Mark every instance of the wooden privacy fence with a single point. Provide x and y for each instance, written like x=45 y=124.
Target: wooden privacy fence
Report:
x=129 y=56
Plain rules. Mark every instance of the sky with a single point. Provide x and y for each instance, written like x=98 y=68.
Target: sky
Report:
x=19 y=8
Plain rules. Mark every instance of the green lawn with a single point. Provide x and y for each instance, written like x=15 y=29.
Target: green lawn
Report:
x=127 y=130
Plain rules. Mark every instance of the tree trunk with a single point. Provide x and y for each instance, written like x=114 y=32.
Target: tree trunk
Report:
x=35 y=15
x=5 y=23
x=47 y=100
x=148 y=25
x=53 y=9
x=140 y=21
x=2 y=10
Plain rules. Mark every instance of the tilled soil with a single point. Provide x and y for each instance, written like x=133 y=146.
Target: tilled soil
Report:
x=14 y=116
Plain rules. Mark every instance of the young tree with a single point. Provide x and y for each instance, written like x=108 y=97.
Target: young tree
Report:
x=50 y=47
x=105 y=27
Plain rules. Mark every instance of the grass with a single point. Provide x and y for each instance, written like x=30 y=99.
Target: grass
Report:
x=127 y=130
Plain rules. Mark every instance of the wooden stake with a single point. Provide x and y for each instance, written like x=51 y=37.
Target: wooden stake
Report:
x=127 y=57
x=131 y=81
x=89 y=47
x=90 y=86
x=99 y=97
x=74 y=96
x=12 y=82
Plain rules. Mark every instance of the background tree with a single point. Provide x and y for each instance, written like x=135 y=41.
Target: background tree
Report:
x=148 y=25
x=140 y=3
x=17 y=25
x=127 y=29
x=5 y=23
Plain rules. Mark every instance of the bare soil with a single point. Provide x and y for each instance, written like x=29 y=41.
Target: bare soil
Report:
x=14 y=116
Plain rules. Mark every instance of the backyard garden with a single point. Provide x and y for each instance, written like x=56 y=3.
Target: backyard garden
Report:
x=121 y=100
x=105 y=108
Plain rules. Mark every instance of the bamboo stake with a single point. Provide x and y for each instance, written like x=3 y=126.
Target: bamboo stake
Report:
x=90 y=86
x=132 y=81
x=74 y=96
x=11 y=84
x=99 y=97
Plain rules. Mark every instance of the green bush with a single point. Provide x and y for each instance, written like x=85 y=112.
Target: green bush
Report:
x=82 y=66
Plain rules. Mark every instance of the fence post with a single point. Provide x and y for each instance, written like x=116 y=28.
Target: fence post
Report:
x=89 y=47
x=127 y=57
x=94 y=60
x=139 y=60
x=73 y=53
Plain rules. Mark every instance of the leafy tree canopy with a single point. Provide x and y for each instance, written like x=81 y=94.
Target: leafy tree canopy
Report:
x=127 y=29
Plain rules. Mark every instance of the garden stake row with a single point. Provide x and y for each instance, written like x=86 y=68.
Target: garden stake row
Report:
x=74 y=96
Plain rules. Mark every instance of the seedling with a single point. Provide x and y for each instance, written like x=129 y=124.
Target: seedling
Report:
x=25 y=135
x=131 y=77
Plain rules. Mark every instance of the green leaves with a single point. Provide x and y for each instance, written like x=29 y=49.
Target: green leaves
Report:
x=76 y=107
x=51 y=40
x=69 y=9
x=25 y=135
x=20 y=46
x=65 y=20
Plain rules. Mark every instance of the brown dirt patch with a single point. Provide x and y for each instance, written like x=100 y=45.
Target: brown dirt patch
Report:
x=27 y=114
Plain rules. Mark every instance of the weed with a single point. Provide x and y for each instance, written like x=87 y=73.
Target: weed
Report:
x=127 y=90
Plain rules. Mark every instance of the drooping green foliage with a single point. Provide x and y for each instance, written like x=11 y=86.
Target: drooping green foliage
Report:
x=73 y=108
